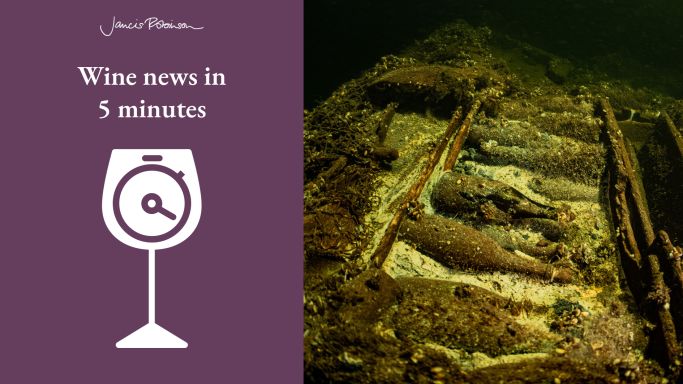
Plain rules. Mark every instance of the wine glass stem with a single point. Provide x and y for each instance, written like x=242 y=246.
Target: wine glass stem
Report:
x=152 y=293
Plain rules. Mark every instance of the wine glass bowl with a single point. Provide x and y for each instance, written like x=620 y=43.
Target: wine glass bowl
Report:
x=173 y=178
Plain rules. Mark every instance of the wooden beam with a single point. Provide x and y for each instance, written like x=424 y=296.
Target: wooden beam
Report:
x=461 y=136
x=625 y=167
x=382 y=250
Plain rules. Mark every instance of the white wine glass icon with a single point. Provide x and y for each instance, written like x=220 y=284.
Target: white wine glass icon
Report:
x=151 y=200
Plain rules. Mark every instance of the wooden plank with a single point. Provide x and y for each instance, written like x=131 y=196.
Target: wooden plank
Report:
x=382 y=250
x=673 y=133
x=623 y=163
x=461 y=136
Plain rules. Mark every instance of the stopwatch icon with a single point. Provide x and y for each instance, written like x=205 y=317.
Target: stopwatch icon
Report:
x=140 y=209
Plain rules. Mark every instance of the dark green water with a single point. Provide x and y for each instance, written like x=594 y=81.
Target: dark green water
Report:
x=637 y=41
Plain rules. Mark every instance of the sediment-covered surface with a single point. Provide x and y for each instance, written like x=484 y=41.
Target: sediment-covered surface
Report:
x=505 y=268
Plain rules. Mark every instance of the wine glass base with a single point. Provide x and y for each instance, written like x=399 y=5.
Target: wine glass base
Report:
x=151 y=335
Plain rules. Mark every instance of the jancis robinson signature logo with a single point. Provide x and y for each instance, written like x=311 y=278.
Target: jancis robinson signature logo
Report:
x=149 y=24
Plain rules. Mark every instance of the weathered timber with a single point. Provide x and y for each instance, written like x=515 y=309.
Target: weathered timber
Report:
x=670 y=263
x=667 y=124
x=659 y=295
x=625 y=192
x=461 y=136
x=382 y=250
x=623 y=163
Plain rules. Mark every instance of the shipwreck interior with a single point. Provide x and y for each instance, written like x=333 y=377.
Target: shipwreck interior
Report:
x=479 y=208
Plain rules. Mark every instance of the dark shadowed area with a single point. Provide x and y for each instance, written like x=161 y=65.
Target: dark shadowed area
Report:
x=638 y=41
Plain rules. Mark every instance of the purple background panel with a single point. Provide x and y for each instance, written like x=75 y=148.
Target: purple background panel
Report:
x=69 y=290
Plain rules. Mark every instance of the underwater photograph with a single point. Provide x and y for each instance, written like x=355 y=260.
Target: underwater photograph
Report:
x=493 y=191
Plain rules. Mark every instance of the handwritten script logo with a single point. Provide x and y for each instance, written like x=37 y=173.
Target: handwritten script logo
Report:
x=149 y=24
